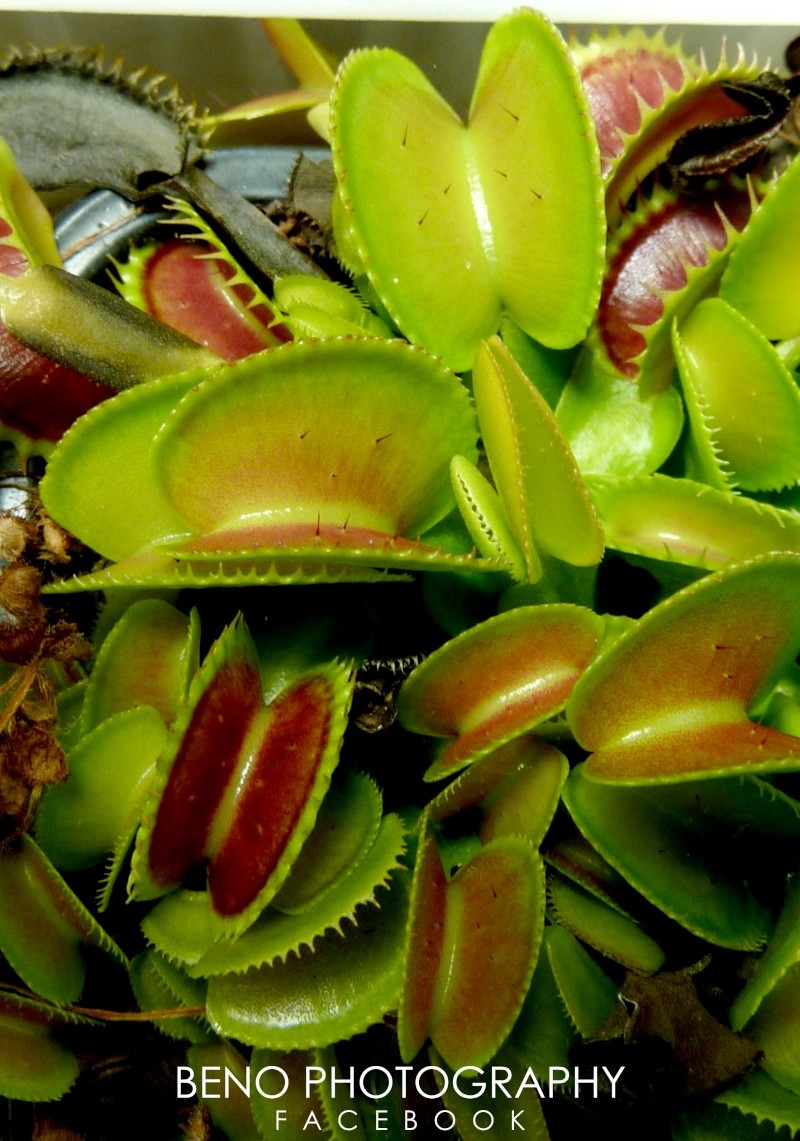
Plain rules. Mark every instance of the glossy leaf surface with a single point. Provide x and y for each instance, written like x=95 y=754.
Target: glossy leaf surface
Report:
x=82 y=820
x=326 y=494
x=493 y=927
x=34 y=1065
x=610 y=426
x=678 y=847
x=516 y=788
x=160 y=985
x=743 y=402
x=761 y=280
x=41 y=936
x=318 y=997
x=286 y=405
x=498 y=680
x=587 y=992
x=431 y=202
x=199 y=294
x=344 y=831
x=683 y=521
x=100 y=484
x=242 y=781
x=275 y=936
x=709 y=653
x=536 y=475
x=603 y=927
x=424 y=944
x=148 y=658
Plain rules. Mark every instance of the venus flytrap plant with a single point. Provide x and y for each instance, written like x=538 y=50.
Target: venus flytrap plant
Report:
x=36 y=1062
x=293 y=890
x=604 y=928
x=448 y=243
x=329 y=502
x=723 y=404
x=139 y=682
x=498 y=680
x=230 y=744
x=691 y=97
x=452 y=952
x=759 y=282
x=539 y=486
x=681 y=521
x=704 y=895
x=32 y=416
x=43 y=937
x=197 y=288
x=694 y=721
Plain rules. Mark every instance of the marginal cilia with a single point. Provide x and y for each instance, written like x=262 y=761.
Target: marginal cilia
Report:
x=399 y=599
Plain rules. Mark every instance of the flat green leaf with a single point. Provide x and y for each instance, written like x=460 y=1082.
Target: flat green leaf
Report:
x=775 y=1028
x=610 y=426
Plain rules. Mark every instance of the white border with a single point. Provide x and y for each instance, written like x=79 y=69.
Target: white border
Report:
x=752 y=13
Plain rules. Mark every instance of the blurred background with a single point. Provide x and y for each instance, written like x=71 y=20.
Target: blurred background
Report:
x=222 y=62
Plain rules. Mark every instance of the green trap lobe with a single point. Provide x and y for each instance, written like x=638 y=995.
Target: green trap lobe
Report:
x=100 y=485
x=743 y=402
x=709 y=653
x=498 y=679
x=147 y=659
x=531 y=134
x=264 y=440
x=34 y=1066
x=402 y=163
